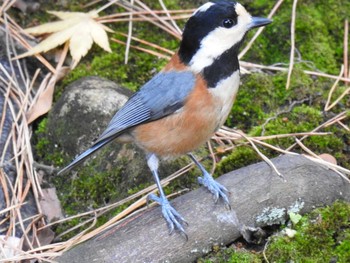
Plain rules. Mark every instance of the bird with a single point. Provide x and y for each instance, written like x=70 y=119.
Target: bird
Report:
x=183 y=105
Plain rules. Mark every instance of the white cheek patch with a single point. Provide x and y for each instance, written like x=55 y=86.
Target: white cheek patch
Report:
x=220 y=40
x=212 y=46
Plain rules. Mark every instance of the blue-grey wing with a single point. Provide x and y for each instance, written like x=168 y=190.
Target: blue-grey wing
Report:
x=164 y=94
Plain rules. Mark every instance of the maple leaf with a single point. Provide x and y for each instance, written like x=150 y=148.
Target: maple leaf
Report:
x=80 y=29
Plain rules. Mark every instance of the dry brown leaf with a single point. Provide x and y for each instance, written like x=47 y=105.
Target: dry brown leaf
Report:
x=44 y=237
x=44 y=101
x=328 y=158
x=81 y=30
x=220 y=149
x=50 y=205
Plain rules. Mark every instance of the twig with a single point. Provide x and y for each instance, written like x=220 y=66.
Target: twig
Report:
x=50 y=170
x=176 y=27
x=212 y=154
x=327 y=107
x=264 y=251
x=233 y=134
x=106 y=6
x=331 y=165
x=346 y=43
x=143 y=19
x=187 y=13
x=274 y=68
x=170 y=52
x=292 y=39
x=152 y=52
x=15 y=34
x=93 y=219
x=6 y=5
x=267 y=160
x=165 y=23
x=128 y=41
x=344 y=126
x=314 y=157
x=161 y=24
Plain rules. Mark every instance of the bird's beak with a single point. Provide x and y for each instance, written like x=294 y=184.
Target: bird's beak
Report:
x=259 y=21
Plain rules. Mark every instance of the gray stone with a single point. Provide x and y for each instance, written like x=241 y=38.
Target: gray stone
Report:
x=82 y=113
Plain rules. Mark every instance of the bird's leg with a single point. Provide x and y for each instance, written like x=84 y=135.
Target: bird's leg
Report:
x=172 y=217
x=208 y=181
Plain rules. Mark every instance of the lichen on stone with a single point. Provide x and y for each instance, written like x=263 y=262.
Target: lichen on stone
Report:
x=272 y=216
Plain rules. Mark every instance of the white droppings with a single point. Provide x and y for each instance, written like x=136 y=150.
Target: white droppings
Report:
x=228 y=217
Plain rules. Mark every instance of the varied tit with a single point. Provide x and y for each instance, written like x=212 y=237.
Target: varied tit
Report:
x=181 y=107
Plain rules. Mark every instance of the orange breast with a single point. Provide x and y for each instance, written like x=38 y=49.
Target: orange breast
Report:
x=184 y=130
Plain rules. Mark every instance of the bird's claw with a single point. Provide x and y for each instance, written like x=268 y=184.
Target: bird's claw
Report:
x=217 y=189
x=174 y=220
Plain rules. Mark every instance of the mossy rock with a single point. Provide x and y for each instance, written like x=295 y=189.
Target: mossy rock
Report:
x=322 y=236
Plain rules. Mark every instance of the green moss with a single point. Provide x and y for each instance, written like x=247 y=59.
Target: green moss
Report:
x=301 y=119
x=241 y=156
x=230 y=255
x=91 y=188
x=249 y=108
x=244 y=257
x=44 y=149
x=322 y=236
x=262 y=94
x=43 y=142
x=319 y=33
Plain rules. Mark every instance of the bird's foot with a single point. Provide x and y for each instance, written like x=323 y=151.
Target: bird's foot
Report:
x=174 y=220
x=217 y=189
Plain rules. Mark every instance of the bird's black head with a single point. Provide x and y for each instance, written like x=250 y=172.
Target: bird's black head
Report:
x=214 y=28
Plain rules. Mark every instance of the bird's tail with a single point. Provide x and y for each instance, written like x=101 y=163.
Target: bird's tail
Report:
x=84 y=155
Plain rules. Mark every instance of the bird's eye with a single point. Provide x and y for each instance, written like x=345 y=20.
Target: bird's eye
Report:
x=228 y=23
